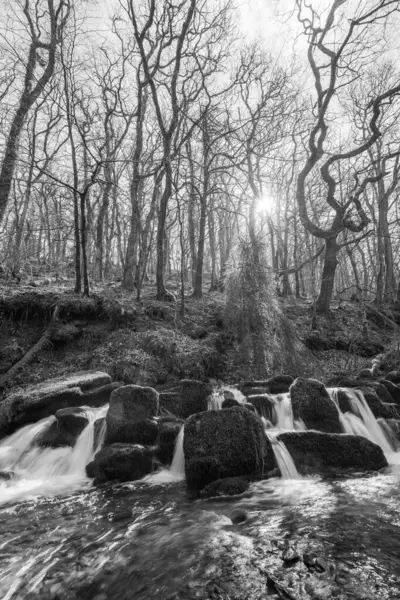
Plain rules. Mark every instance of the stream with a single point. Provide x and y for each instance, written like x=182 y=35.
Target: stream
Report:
x=294 y=538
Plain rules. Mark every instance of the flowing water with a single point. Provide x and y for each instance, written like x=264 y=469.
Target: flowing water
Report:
x=294 y=538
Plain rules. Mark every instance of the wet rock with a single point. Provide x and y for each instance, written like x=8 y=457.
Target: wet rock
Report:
x=65 y=430
x=312 y=404
x=279 y=384
x=393 y=389
x=264 y=405
x=194 y=396
x=227 y=443
x=230 y=486
x=393 y=376
x=316 y=452
x=249 y=406
x=382 y=392
x=6 y=475
x=122 y=462
x=168 y=430
x=229 y=403
x=130 y=416
x=44 y=399
x=290 y=559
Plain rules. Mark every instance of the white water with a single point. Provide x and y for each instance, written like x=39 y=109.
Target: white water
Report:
x=44 y=471
x=283 y=458
x=361 y=421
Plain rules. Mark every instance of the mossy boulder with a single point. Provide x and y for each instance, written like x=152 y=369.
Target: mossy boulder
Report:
x=327 y=453
x=194 y=396
x=122 y=462
x=45 y=399
x=312 y=404
x=168 y=430
x=225 y=443
x=231 y=486
x=130 y=417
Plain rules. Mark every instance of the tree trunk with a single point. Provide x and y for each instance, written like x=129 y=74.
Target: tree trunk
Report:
x=328 y=276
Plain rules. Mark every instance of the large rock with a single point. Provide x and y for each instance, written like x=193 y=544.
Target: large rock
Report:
x=122 y=462
x=316 y=452
x=194 y=396
x=226 y=443
x=312 y=404
x=101 y=395
x=130 y=418
x=44 y=399
x=69 y=424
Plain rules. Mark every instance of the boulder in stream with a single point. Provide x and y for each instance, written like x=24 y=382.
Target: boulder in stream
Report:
x=65 y=430
x=312 y=404
x=122 y=462
x=130 y=418
x=225 y=443
x=279 y=384
x=327 y=453
x=45 y=399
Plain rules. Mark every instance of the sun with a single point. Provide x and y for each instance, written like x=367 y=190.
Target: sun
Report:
x=265 y=204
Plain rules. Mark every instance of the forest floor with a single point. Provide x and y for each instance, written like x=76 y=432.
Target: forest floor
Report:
x=153 y=343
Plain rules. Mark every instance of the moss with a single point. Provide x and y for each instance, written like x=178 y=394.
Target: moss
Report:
x=202 y=471
x=312 y=404
x=229 y=403
x=316 y=452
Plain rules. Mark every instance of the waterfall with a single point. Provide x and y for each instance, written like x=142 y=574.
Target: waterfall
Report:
x=282 y=455
x=176 y=471
x=37 y=471
x=215 y=401
x=361 y=421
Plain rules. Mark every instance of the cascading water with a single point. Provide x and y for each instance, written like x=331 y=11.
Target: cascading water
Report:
x=35 y=471
x=361 y=421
